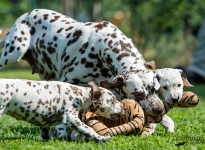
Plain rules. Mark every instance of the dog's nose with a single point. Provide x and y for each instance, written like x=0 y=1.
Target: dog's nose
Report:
x=139 y=96
x=158 y=109
x=158 y=112
x=175 y=100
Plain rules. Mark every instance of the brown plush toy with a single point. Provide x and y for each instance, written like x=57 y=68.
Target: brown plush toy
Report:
x=133 y=121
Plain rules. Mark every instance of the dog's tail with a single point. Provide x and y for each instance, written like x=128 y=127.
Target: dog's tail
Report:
x=2 y=41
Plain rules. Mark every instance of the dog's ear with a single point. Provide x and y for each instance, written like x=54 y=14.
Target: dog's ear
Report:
x=118 y=82
x=95 y=93
x=156 y=83
x=156 y=80
x=184 y=79
x=150 y=65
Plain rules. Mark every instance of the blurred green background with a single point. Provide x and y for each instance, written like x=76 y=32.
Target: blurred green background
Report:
x=163 y=31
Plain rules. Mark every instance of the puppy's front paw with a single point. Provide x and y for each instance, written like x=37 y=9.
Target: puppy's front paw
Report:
x=105 y=138
x=60 y=131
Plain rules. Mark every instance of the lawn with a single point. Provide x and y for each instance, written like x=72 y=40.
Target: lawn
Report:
x=189 y=129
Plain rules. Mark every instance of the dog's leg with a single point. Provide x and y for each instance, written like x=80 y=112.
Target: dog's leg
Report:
x=45 y=133
x=16 y=43
x=167 y=123
x=154 y=125
x=60 y=130
x=76 y=136
x=75 y=123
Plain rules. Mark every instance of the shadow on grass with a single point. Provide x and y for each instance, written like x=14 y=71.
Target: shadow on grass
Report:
x=20 y=132
x=26 y=133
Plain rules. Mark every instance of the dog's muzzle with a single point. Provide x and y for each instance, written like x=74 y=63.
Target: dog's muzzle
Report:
x=152 y=105
x=114 y=116
x=175 y=100
x=139 y=96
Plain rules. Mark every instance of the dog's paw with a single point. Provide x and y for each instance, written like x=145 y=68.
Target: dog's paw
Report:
x=170 y=129
x=104 y=138
x=60 y=131
x=76 y=136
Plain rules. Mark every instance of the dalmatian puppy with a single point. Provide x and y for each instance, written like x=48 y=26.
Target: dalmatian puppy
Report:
x=150 y=105
x=171 y=82
x=26 y=100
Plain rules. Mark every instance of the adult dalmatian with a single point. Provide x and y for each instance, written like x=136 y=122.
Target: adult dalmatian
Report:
x=58 y=47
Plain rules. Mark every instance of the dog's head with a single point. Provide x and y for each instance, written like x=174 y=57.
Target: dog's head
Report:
x=152 y=105
x=105 y=103
x=171 y=84
x=135 y=84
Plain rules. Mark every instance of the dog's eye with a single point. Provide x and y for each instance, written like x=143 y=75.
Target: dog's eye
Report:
x=179 y=85
x=165 y=87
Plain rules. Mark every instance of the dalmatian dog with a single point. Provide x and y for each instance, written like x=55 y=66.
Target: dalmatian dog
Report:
x=26 y=100
x=171 y=82
x=60 y=48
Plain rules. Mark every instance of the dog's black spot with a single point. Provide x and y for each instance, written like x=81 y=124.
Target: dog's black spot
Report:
x=55 y=38
x=11 y=49
x=47 y=60
x=68 y=35
x=51 y=50
x=76 y=36
x=32 y=31
x=43 y=34
x=83 y=60
x=5 y=54
x=66 y=58
x=7 y=44
x=89 y=64
x=70 y=69
x=59 y=30
x=83 y=48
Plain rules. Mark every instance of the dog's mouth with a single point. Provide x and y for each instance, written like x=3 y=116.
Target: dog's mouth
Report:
x=115 y=116
x=139 y=96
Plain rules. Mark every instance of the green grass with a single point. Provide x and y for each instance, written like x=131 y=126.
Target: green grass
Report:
x=16 y=72
x=189 y=130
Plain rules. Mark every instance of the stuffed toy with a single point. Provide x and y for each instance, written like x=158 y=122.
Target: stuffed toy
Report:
x=134 y=120
x=188 y=100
